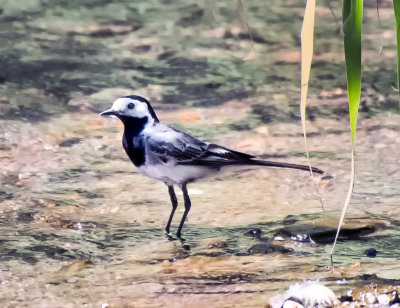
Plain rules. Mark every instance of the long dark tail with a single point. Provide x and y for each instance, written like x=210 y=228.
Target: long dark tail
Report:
x=284 y=165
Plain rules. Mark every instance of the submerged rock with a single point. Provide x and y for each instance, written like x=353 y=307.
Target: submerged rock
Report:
x=70 y=142
x=216 y=243
x=266 y=248
x=325 y=234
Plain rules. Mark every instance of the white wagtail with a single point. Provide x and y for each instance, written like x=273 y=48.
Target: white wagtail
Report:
x=174 y=157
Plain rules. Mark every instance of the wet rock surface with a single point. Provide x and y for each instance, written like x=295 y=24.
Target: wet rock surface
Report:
x=326 y=234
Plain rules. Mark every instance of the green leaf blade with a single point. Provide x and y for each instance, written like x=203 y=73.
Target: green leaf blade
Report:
x=352 y=23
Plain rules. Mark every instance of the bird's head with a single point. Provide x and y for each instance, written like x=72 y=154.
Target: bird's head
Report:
x=130 y=108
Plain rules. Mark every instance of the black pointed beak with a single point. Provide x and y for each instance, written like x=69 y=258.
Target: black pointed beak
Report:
x=107 y=112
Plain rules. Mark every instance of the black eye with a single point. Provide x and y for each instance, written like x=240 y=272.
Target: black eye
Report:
x=131 y=105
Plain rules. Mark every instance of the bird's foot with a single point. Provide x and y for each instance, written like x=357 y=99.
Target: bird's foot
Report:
x=178 y=235
x=169 y=236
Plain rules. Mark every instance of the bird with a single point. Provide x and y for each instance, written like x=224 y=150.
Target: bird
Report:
x=174 y=157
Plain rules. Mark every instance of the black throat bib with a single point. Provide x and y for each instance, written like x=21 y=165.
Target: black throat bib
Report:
x=132 y=139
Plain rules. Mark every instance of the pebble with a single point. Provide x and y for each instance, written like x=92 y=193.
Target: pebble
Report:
x=383 y=299
x=371 y=252
x=70 y=142
x=370 y=298
x=346 y=298
x=216 y=243
x=256 y=233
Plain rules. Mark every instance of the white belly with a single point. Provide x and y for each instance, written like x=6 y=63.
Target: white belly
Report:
x=172 y=174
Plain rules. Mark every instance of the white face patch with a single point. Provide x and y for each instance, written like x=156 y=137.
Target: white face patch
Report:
x=139 y=110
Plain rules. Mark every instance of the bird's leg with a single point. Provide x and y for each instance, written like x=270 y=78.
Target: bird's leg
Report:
x=174 y=202
x=187 y=208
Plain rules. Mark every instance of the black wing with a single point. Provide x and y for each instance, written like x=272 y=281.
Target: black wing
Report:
x=169 y=144
x=187 y=150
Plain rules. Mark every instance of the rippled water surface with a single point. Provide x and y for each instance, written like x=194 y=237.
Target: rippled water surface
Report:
x=80 y=227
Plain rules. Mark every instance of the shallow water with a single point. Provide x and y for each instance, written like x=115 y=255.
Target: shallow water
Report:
x=80 y=227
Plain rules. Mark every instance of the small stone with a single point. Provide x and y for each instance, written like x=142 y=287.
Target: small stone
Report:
x=346 y=298
x=267 y=249
x=26 y=217
x=216 y=244
x=166 y=263
x=70 y=142
x=5 y=196
x=371 y=252
x=383 y=299
x=256 y=233
x=370 y=298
